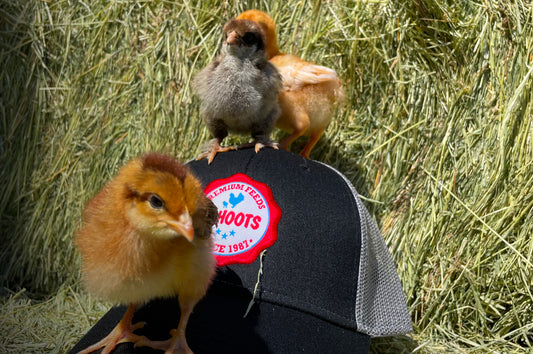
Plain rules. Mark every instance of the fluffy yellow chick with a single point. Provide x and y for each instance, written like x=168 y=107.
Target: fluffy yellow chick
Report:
x=147 y=234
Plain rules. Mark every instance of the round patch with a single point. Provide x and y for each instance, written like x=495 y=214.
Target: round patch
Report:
x=248 y=218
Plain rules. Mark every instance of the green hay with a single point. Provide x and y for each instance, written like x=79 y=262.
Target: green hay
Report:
x=49 y=325
x=436 y=135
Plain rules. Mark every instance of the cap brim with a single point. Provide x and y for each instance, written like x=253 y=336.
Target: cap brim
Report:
x=267 y=327
x=290 y=331
x=218 y=325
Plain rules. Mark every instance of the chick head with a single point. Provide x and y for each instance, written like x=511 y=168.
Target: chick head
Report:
x=268 y=26
x=160 y=196
x=243 y=38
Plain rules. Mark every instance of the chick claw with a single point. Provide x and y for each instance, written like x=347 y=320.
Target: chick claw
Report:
x=154 y=344
x=122 y=333
x=213 y=150
x=175 y=345
x=258 y=145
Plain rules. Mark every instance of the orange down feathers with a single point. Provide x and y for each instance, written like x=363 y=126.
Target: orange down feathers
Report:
x=147 y=234
x=309 y=93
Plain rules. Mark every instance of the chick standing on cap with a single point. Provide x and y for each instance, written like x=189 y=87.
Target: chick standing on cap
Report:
x=147 y=234
x=239 y=89
x=309 y=93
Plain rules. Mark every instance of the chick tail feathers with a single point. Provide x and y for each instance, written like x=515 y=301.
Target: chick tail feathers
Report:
x=298 y=75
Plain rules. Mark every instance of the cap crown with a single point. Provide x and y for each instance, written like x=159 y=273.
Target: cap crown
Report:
x=329 y=258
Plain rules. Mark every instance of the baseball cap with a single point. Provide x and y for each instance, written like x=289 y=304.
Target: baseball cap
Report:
x=302 y=265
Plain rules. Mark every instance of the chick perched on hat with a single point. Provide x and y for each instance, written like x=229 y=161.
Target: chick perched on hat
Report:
x=147 y=234
x=309 y=93
x=239 y=90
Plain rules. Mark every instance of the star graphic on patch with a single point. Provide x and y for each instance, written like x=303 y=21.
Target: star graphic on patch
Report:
x=224 y=236
x=232 y=233
x=218 y=231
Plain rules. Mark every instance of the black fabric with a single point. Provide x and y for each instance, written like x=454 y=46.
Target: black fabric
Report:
x=218 y=325
x=314 y=263
x=306 y=296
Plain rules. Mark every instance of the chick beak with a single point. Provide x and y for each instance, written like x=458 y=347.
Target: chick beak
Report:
x=183 y=226
x=233 y=38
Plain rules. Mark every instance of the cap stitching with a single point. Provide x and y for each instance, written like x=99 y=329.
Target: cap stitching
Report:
x=362 y=241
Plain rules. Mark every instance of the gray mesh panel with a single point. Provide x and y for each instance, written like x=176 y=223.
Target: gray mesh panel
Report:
x=381 y=309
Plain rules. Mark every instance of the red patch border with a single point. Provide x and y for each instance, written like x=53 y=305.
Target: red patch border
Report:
x=271 y=234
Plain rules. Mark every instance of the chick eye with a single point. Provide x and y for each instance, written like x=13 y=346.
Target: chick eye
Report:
x=156 y=202
x=249 y=38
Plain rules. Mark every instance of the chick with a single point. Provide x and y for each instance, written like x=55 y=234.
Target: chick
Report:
x=239 y=90
x=309 y=93
x=147 y=234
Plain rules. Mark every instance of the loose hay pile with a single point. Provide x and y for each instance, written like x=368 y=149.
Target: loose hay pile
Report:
x=436 y=135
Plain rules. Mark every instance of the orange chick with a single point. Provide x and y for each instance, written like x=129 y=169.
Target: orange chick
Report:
x=147 y=234
x=309 y=92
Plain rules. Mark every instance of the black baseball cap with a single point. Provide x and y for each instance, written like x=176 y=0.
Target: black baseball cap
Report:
x=302 y=266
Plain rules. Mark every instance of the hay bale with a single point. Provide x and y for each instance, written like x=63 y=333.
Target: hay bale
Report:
x=436 y=135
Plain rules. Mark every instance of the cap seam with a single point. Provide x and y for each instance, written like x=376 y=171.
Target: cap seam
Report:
x=247 y=166
x=401 y=326
x=362 y=256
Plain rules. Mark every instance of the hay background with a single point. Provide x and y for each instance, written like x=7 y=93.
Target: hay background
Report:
x=436 y=135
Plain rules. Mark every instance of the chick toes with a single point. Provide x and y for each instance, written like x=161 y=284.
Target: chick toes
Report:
x=137 y=326
x=154 y=344
x=210 y=154
x=213 y=149
x=259 y=145
x=122 y=333
x=176 y=344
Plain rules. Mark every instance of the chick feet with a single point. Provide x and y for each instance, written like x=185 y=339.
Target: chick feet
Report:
x=258 y=145
x=123 y=332
x=175 y=345
x=213 y=149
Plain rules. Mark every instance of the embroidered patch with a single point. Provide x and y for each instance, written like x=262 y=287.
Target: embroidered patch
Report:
x=248 y=218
